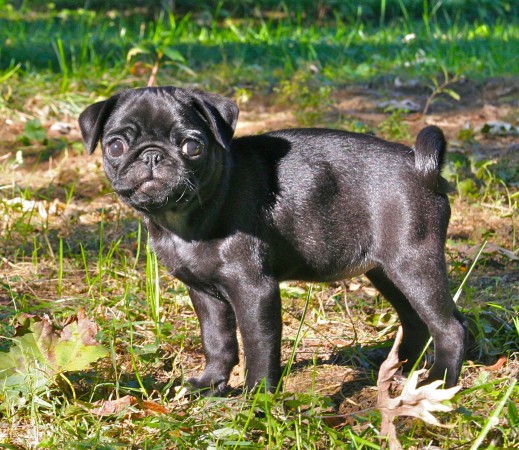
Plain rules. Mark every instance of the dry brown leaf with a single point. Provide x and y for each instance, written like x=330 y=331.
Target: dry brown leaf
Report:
x=128 y=405
x=152 y=407
x=338 y=421
x=498 y=364
x=385 y=375
x=113 y=407
x=415 y=402
x=490 y=249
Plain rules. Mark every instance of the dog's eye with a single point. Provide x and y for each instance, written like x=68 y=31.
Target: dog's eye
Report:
x=191 y=148
x=116 y=148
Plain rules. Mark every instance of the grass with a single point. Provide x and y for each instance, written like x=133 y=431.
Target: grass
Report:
x=66 y=242
x=123 y=301
x=88 y=50
x=120 y=300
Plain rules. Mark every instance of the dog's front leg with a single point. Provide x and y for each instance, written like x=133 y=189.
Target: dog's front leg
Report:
x=257 y=305
x=218 y=325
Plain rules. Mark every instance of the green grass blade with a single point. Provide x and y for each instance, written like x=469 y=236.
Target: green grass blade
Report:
x=492 y=420
x=297 y=340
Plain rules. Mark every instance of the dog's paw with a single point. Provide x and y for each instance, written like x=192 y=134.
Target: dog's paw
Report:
x=200 y=386
x=439 y=373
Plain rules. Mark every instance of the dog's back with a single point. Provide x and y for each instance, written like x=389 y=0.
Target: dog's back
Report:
x=339 y=202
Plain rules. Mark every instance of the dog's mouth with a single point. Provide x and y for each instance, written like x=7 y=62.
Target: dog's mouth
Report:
x=152 y=194
x=150 y=187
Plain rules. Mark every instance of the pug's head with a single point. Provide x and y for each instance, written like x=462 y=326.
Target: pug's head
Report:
x=164 y=148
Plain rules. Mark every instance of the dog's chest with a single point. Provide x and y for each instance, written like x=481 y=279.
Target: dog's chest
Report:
x=195 y=263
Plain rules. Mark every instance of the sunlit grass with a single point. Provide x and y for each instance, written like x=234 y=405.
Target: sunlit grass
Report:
x=83 y=48
x=91 y=253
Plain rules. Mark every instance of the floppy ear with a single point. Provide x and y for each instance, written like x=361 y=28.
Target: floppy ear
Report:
x=92 y=120
x=220 y=113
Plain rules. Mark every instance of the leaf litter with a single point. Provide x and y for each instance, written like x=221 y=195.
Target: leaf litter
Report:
x=414 y=401
x=128 y=405
x=39 y=353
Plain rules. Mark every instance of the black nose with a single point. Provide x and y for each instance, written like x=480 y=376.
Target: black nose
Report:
x=152 y=158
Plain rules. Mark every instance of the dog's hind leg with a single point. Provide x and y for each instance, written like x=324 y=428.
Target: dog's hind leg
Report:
x=417 y=287
x=416 y=333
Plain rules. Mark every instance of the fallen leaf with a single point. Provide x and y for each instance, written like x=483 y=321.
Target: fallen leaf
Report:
x=77 y=347
x=499 y=128
x=40 y=352
x=491 y=249
x=129 y=405
x=385 y=375
x=415 y=402
x=155 y=408
x=113 y=407
x=389 y=368
x=337 y=421
x=498 y=364
x=420 y=402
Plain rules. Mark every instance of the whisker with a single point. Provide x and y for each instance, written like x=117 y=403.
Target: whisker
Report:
x=183 y=193
x=194 y=188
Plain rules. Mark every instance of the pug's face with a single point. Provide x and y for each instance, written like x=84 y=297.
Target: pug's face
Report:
x=163 y=148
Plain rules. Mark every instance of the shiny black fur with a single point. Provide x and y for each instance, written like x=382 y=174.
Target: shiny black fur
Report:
x=300 y=204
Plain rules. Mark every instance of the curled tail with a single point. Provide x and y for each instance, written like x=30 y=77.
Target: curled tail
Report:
x=429 y=154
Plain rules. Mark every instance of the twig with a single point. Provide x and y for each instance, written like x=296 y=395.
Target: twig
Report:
x=154 y=70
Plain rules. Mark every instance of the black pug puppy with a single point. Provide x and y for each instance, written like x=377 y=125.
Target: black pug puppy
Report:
x=232 y=217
